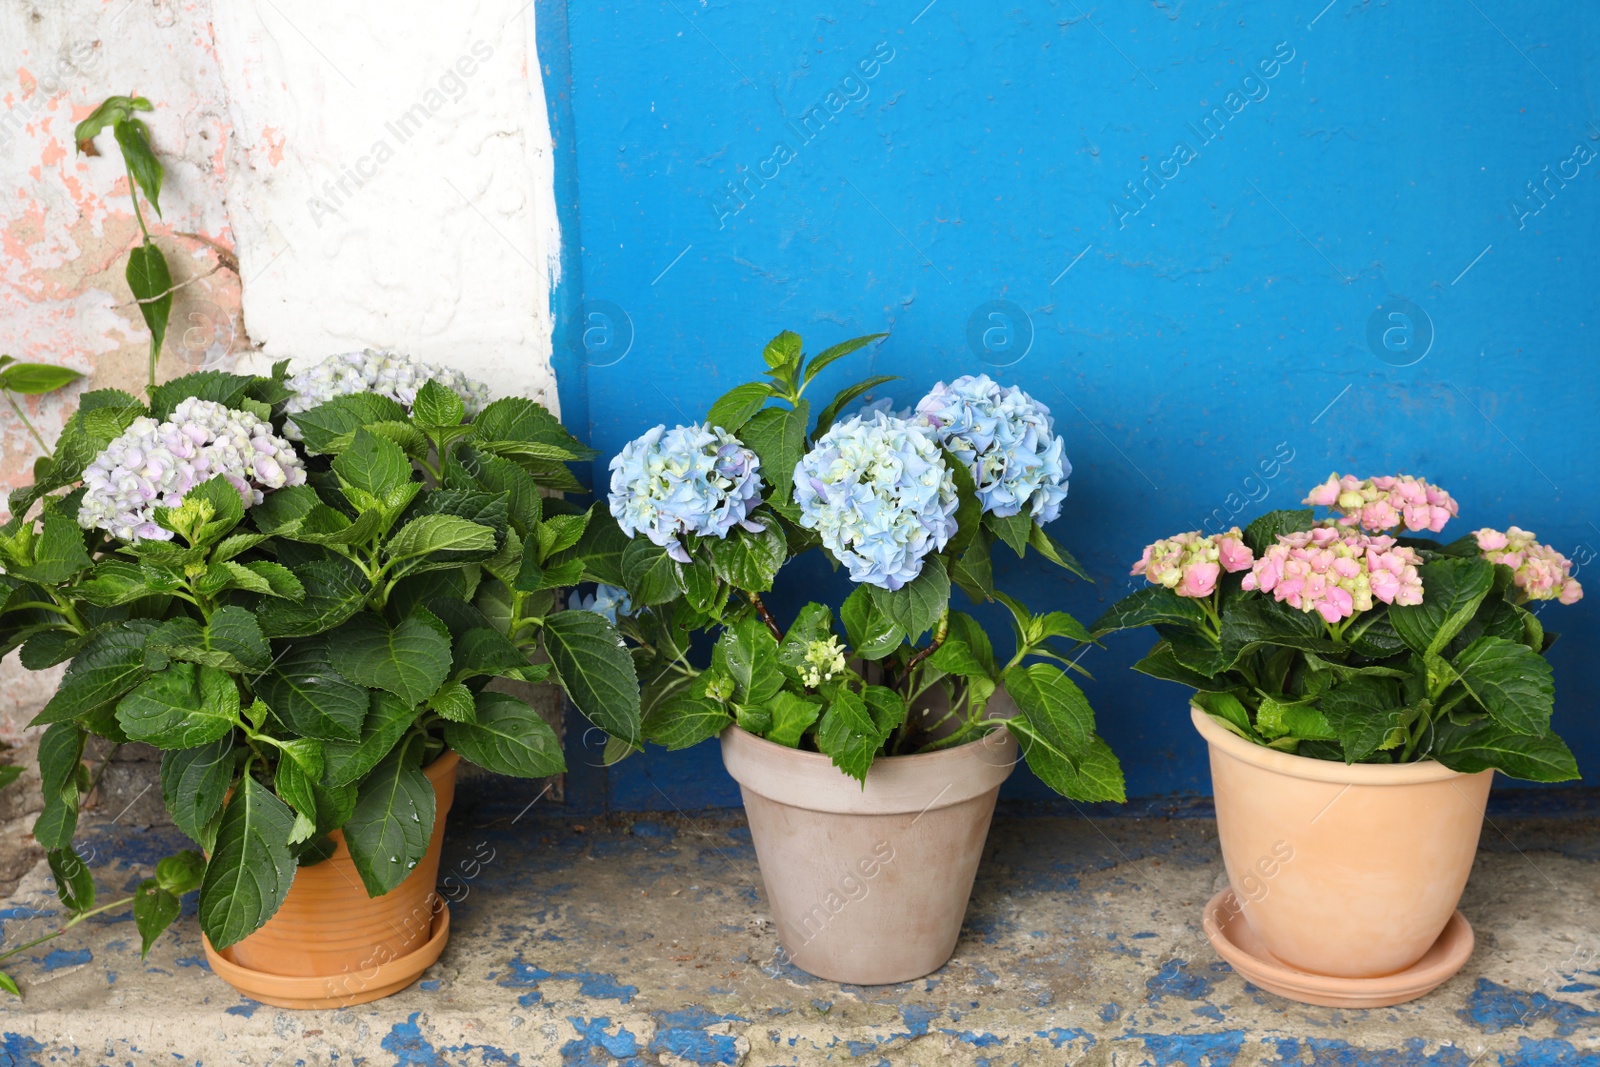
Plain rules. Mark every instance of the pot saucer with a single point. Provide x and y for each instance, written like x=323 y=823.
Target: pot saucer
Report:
x=1230 y=934
x=358 y=986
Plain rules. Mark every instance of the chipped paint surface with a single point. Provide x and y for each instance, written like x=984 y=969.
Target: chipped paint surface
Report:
x=623 y=943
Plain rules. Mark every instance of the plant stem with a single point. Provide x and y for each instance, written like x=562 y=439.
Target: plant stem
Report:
x=74 y=921
x=761 y=610
x=12 y=400
x=940 y=632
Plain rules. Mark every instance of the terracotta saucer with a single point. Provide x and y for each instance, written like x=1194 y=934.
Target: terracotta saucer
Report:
x=1237 y=943
x=332 y=991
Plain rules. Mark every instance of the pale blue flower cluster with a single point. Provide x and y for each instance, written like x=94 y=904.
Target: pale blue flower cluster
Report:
x=153 y=464
x=877 y=490
x=391 y=374
x=607 y=600
x=697 y=479
x=1005 y=438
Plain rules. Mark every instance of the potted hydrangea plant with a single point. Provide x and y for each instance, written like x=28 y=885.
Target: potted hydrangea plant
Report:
x=310 y=629
x=1358 y=685
x=869 y=741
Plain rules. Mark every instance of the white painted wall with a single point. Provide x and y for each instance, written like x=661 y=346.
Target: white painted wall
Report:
x=391 y=181
x=284 y=126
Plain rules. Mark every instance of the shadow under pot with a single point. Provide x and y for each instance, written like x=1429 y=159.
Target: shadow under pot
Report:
x=869 y=885
x=330 y=945
x=1343 y=879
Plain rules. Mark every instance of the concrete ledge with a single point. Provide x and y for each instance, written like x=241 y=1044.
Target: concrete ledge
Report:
x=644 y=941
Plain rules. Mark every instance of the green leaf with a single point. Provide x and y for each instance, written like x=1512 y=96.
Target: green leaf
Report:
x=649 y=574
x=782 y=351
x=1148 y=606
x=133 y=137
x=373 y=465
x=305 y=691
x=508 y=737
x=49 y=647
x=1511 y=681
x=439 y=533
x=735 y=407
x=748 y=653
x=226 y=389
x=154 y=908
x=916 y=606
x=324 y=424
x=484 y=650
x=387 y=720
x=778 y=438
x=184 y=706
x=848 y=735
x=231 y=641
x=453 y=703
x=1263 y=533
x=973 y=570
x=869 y=629
x=36 y=379
x=294 y=786
x=60 y=766
x=686 y=719
x=601 y=548
x=1014 y=530
x=823 y=359
x=437 y=405
x=279 y=580
x=1051 y=550
x=814 y=623
x=1056 y=710
x=333 y=593
x=792 y=716
x=750 y=561
x=112 y=110
x=388 y=833
x=516 y=418
x=194 y=782
x=1361 y=711
x=843 y=397
x=1097 y=776
x=1249 y=622
x=596 y=671
x=1373 y=635
x=1452 y=589
x=1295 y=719
x=1161 y=663
x=58 y=553
x=251 y=867
x=151 y=284
x=9 y=984
x=410 y=660
x=74 y=880
x=1229 y=712
x=115 y=581
x=1534 y=759
x=181 y=872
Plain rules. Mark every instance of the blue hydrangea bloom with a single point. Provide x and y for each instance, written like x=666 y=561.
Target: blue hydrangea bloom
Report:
x=877 y=490
x=1006 y=439
x=687 y=480
x=607 y=600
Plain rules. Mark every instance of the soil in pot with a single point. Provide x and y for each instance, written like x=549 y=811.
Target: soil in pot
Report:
x=869 y=886
x=1350 y=871
x=330 y=944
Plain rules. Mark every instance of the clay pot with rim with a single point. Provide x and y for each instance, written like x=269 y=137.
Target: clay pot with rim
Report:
x=330 y=945
x=1339 y=870
x=869 y=885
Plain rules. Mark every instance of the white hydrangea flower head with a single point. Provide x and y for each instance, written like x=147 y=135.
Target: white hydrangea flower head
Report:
x=153 y=464
x=382 y=371
x=1007 y=440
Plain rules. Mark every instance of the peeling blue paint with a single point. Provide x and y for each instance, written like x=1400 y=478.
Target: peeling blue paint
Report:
x=56 y=959
x=1194 y=1050
x=683 y=1034
x=590 y=983
x=19 y=1049
x=1176 y=979
x=412 y=1049
x=596 y=1045
x=245 y=1010
x=1061 y=1035
x=1493 y=1008
x=1326 y=1052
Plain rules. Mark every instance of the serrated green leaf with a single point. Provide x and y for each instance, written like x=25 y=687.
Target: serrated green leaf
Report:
x=750 y=561
x=388 y=832
x=1512 y=682
x=507 y=736
x=333 y=593
x=792 y=716
x=596 y=670
x=154 y=908
x=454 y=703
x=437 y=405
x=735 y=407
x=916 y=606
x=251 y=867
x=109 y=665
x=871 y=632
x=649 y=574
x=410 y=660
x=387 y=720
x=778 y=438
x=820 y=362
x=826 y=418
x=1452 y=590
x=74 y=880
x=194 y=782
x=184 y=706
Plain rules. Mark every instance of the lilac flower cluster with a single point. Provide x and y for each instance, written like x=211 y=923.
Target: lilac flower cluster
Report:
x=153 y=464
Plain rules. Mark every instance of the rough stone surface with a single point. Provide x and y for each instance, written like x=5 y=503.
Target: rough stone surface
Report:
x=645 y=941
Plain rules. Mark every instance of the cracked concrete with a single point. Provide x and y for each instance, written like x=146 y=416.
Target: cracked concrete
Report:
x=644 y=940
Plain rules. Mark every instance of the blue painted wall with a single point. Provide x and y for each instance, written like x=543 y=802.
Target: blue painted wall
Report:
x=1199 y=219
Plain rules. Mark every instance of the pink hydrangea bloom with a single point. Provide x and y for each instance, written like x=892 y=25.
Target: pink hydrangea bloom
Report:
x=1190 y=563
x=1542 y=573
x=1336 y=572
x=1379 y=504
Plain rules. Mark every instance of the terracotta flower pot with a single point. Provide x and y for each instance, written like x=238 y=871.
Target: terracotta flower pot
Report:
x=1348 y=871
x=868 y=885
x=330 y=944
